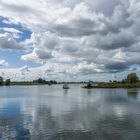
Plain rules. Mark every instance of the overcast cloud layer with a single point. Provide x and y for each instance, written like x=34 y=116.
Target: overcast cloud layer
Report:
x=73 y=38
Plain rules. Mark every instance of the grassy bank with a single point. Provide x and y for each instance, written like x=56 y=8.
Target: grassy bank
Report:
x=114 y=85
x=23 y=83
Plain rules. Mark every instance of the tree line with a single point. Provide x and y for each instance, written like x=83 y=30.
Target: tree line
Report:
x=6 y=82
x=42 y=81
x=131 y=78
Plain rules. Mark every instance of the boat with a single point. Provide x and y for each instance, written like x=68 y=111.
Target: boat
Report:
x=66 y=86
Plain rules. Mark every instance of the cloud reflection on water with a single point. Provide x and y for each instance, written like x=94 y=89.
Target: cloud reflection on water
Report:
x=49 y=113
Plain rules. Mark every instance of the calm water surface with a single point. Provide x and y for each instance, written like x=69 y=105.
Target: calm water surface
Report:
x=51 y=113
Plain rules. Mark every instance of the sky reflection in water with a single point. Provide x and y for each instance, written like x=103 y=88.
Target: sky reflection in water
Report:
x=49 y=112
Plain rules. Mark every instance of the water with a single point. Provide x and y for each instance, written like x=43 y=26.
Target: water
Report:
x=51 y=113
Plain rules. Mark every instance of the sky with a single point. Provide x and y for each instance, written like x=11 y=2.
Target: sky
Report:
x=69 y=40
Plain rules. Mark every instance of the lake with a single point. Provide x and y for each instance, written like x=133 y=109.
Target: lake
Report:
x=52 y=113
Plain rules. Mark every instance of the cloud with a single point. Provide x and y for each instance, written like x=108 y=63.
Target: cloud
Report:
x=116 y=67
x=7 y=42
x=47 y=40
x=43 y=46
x=56 y=71
x=37 y=56
x=3 y=63
x=91 y=38
x=15 y=33
x=79 y=21
x=24 y=69
x=66 y=19
x=10 y=30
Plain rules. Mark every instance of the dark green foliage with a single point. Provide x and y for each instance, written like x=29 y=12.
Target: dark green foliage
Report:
x=27 y=83
x=132 y=78
x=42 y=81
x=132 y=81
x=53 y=82
x=7 y=82
x=123 y=81
x=89 y=85
x=1 y=81
x=114 y=81
x=39 y=81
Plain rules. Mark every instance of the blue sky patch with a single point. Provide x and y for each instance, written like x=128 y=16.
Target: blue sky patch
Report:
x=26 y=33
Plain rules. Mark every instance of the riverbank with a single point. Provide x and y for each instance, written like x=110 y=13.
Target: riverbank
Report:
x=113 y=85
x=23 y=84
x=99 y=85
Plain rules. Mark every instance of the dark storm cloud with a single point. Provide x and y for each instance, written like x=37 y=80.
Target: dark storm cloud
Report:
x=116 y=67
x=115 y=41
x=19 y=8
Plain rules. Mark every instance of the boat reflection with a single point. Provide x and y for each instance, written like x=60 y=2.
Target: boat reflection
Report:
x=65 y=91
x=132 y=93
x=89 y=91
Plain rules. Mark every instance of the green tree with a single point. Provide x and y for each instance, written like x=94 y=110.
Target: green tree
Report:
x=89 y=84
x=1 y=81
x=7 y=82
x=40 y=81
x=123 y=81
x=132 y=78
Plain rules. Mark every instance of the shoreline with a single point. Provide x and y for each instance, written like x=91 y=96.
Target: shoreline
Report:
x=110 y=85
x=104 y=85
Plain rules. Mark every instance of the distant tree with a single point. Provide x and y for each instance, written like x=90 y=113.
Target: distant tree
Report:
x=7 y=82
x=115 y=81
x=132 y=78
x=1 y=81
x=89 y=84
x=124 y=81
x=52 y=82
x=41 y=81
